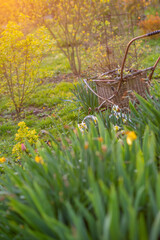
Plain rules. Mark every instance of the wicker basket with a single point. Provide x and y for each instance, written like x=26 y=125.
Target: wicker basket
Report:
x=136 y=83
x=114 y=89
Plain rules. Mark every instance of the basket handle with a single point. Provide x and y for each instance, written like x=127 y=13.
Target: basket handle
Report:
x=107 y=100
x=154 y=67
x=125 y=55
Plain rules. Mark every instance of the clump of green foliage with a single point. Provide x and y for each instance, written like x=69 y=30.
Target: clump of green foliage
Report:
x=93 y=185
x=147 y=113
x=84 y=98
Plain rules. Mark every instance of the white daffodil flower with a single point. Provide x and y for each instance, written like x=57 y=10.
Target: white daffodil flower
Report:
x=91 y=117
x=82 y=126
x=115 y=108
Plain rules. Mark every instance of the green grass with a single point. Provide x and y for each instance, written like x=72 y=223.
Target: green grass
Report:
x=151 y=50
x=7 y=132
x=152 y=10
x=49 y=94
x=54 y=64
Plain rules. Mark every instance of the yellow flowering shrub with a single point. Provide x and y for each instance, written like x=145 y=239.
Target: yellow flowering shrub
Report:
x=20 y=60
x=24 y=134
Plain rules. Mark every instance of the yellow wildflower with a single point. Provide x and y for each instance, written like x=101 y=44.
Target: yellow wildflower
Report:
x=39 y=159
x=131 y=136
x=21 y=124
x=21 y=136
x=2 y=160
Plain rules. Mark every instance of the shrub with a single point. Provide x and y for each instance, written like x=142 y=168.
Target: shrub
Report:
x=19 y=62
x=100 y=58
x=90 y=186
x=70 y=25
x=150 y=24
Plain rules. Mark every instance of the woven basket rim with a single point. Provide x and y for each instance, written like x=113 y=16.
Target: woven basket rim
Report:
x=126 y=77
